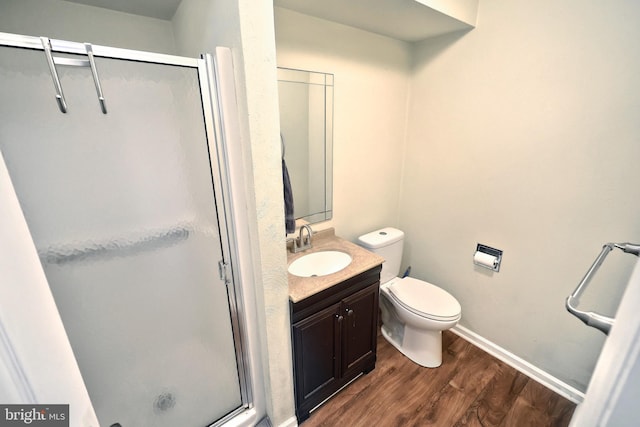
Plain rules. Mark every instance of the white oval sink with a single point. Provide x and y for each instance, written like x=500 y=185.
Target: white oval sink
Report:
x=319 y=263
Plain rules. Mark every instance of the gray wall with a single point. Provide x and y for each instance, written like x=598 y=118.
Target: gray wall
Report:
x=371 y=77
x=521 y=134
x=524 y=135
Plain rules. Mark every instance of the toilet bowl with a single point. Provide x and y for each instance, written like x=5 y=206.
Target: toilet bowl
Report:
x=414 y=312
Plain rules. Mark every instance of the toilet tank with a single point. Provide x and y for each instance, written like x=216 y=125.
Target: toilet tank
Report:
x=386 y=242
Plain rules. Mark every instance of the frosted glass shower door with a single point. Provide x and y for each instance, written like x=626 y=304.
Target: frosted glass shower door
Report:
x=123 y=213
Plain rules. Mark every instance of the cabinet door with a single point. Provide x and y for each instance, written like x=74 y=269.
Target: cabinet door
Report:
x=360 y=312
x=317 y=349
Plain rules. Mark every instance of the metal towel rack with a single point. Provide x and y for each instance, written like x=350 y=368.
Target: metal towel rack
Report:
x=595 y=320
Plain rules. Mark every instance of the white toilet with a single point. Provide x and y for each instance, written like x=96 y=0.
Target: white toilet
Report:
x=414 y=312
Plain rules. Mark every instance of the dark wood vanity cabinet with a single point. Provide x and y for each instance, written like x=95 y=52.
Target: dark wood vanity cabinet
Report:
x=334 y=338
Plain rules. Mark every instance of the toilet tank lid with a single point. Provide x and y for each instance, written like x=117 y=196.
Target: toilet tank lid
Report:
x=380 y=238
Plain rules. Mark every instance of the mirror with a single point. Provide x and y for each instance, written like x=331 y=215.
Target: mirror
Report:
x=306 y=127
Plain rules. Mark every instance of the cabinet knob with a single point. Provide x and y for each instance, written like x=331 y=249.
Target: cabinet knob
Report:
x=351 y=316
x=339 y=317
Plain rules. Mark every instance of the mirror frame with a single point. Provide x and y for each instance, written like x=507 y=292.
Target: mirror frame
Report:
x=297 y=76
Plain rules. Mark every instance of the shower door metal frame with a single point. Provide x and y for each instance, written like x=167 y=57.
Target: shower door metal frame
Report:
x=212 y=114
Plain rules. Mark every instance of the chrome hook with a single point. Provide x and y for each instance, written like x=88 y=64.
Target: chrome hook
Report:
x=46 y=44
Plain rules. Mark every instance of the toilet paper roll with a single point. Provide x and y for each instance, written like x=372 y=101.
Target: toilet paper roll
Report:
x=485 y=260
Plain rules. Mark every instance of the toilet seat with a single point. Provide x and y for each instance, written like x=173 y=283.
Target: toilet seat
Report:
x=424 y=299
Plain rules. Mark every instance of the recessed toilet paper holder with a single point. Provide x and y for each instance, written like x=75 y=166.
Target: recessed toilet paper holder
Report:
x=487 y=257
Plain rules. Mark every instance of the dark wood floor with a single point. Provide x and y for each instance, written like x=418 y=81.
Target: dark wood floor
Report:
x=471 y=388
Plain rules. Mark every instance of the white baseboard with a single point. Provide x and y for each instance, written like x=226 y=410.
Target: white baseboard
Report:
x=291 y=422
x=521 y=365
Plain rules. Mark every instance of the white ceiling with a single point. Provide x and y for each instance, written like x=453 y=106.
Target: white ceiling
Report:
x=407 y=20
x=161 y=9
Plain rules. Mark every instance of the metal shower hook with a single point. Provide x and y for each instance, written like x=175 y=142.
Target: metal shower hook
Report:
x=46 y=44
x=52 y=61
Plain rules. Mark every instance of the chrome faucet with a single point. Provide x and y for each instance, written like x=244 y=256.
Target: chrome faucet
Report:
x=302 y=243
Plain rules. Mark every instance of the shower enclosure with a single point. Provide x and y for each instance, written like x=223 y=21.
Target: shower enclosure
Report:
x=116 y=160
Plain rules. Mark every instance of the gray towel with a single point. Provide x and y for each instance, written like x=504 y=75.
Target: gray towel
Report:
x=289 y=218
